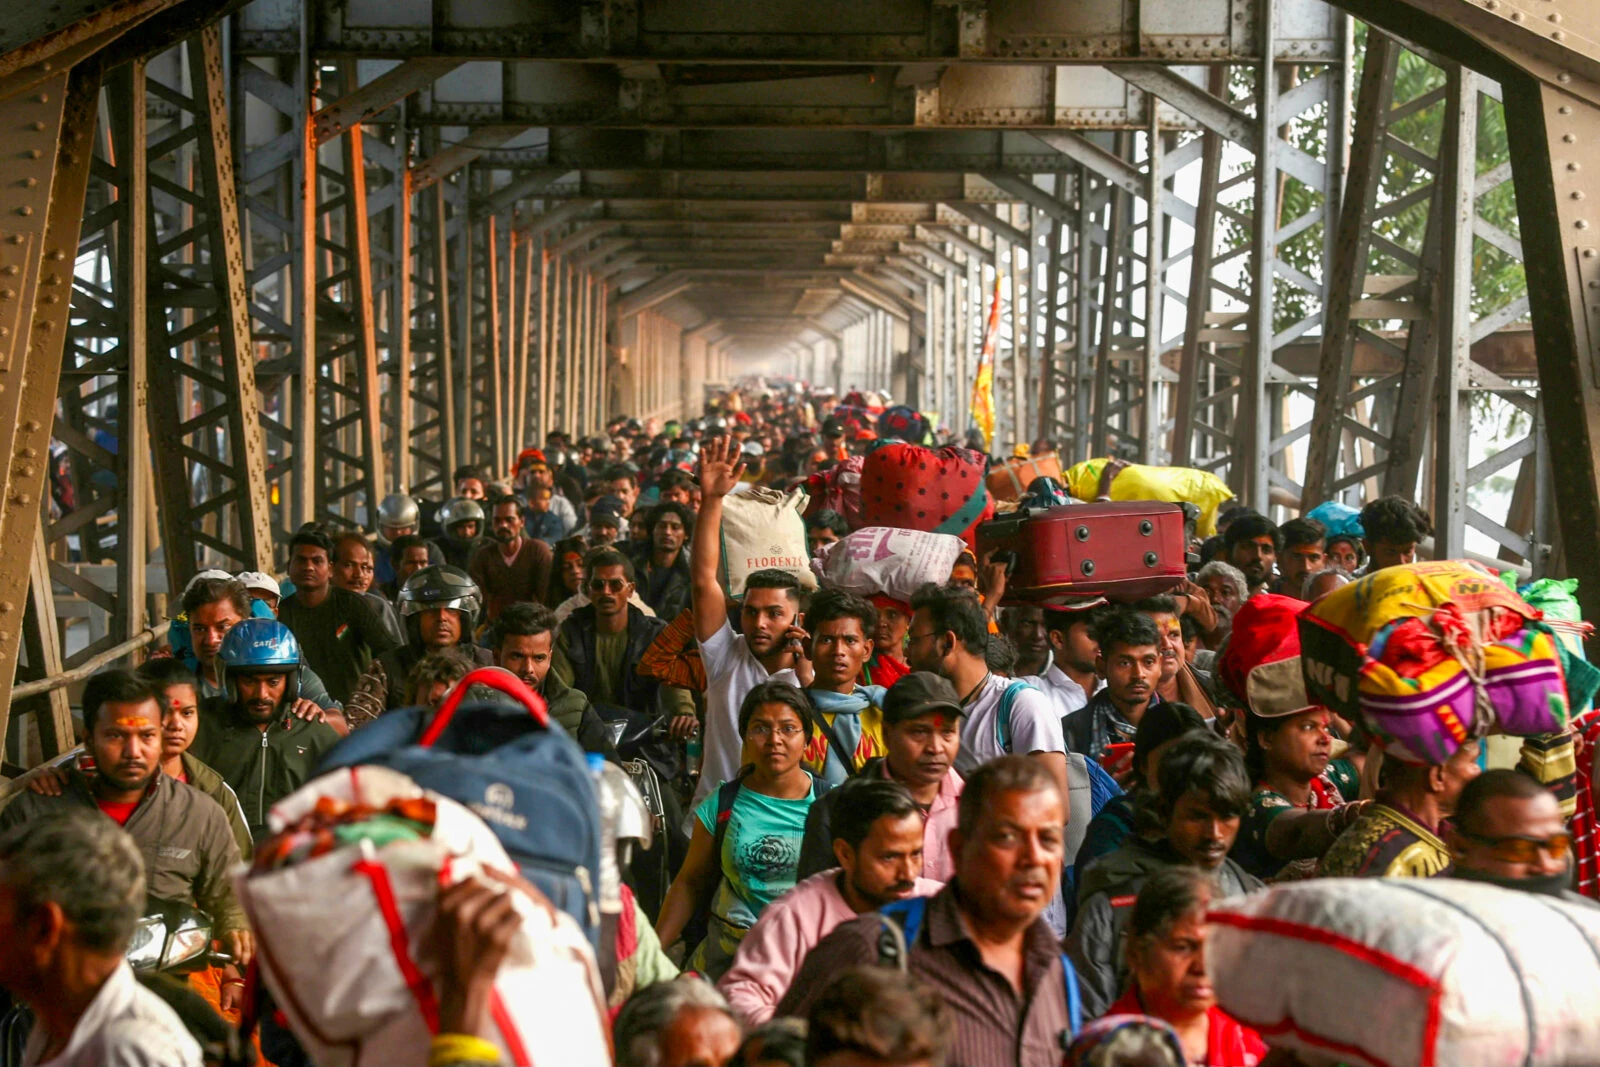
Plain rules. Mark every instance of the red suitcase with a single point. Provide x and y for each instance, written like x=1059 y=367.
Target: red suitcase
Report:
x=1123 y=551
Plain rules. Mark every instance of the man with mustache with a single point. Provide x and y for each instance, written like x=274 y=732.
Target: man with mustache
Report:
x=597 y=648
x=981 y=942
x=251 y=736
x=1130 y=662
x=509 y=567
x=877 y=847
x=1179 y=680
x=182 y=834
x=921 y=736
x=1202 y=793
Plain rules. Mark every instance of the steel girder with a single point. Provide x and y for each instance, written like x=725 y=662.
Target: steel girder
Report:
x=210 y=456
x=894 y=31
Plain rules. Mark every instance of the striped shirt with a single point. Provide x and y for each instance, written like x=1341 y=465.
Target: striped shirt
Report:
x=995 y=1026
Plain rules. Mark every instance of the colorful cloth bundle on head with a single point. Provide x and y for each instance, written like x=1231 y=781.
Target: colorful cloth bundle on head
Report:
x=1431 y=655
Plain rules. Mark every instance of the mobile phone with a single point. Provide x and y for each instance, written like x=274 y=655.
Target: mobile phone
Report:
x=1115 y=753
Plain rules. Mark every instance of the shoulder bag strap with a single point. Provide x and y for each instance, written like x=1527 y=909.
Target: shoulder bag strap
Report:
x=846 y=759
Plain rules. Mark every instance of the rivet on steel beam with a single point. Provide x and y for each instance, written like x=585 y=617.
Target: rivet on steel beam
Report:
x=20 y=499
x=1554 y=16
x=1581 y=224
x=56 y=254
x=1563 y=77
x=1577 y=194
x=1516 y=16
x=1574 y=166
x=27 y=451
x=29 y=183
x=24 y=210
x=1556 y=35
x=52 y=298
x=32 y=426
x=1568 y=138
x=36 y=125
x=7 y=607
x=33 y=153
x=1588 y=253
x=25 y=471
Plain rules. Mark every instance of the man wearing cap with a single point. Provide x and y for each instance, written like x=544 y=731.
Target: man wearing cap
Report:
x=921 y=737
x=607 y=523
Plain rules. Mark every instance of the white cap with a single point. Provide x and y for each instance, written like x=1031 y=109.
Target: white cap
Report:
x=212 y=572
x=264 y=582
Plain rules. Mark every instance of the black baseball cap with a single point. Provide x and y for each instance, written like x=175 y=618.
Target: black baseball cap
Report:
x=919 y=693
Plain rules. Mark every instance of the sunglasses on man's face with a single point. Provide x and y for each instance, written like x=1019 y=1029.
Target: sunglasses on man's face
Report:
x=1523 y=849
x=607 y=585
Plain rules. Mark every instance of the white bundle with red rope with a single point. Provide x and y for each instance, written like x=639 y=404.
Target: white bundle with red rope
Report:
x=343 y=898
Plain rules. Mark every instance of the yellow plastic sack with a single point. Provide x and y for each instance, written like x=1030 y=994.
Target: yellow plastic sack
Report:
x=1175 y=485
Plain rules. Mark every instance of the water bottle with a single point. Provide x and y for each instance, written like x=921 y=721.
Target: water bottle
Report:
x=694 y=752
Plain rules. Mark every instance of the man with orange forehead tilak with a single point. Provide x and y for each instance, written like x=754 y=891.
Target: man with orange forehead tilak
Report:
x=921 y=736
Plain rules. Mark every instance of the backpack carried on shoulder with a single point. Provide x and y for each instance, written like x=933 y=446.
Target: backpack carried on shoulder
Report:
x=511 y=765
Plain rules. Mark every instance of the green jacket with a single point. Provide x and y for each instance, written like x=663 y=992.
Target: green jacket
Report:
x=571 y=708
x=181 y=832
x=211 y=784
x=262 y=766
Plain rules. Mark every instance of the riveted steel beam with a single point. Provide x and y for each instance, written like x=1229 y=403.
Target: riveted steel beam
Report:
x=383 y=92
x=211 y=459
x=44 y=176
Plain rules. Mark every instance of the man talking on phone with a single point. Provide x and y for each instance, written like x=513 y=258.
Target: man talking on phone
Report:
x=771 y=642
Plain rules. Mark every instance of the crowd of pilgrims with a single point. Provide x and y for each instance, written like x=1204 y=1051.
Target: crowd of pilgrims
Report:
x=822 y=759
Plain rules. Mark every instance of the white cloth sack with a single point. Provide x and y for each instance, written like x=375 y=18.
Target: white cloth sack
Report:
x=343 y=941
x=1408 y=972
x=763 y=528
x=887 y=560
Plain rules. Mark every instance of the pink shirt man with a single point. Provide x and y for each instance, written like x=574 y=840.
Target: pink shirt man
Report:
x=772 y=952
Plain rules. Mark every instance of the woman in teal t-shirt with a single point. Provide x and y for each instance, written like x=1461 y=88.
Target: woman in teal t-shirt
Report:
x=761 y=840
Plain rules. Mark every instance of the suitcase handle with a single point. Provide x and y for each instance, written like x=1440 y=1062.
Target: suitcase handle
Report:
x=495 y=678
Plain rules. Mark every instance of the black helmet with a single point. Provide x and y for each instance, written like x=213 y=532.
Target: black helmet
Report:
x=441 y=586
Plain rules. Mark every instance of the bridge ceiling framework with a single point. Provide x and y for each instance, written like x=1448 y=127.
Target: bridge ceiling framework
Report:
x=324 y=250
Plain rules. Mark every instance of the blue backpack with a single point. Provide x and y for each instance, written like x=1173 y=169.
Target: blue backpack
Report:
x=899 y=923
x=519 y=771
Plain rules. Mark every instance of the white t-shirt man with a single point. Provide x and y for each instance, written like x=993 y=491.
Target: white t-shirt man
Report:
x=125 y=1025
x=1035 y=726
x=732 y=670
x=1066 y=695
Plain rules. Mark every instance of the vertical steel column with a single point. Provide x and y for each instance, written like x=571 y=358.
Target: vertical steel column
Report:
x=1452 y=401
x=602 y=402
x=104 y=377
x=50 y=126
x=1151 y=371
x=1196 y=419
x=547 y=314
x=206 y=317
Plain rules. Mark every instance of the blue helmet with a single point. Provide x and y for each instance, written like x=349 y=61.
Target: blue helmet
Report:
x=261 y=646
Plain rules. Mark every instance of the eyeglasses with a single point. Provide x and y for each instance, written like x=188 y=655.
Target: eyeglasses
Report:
x=607 y=585
x=787 y=731
x=1523 y=849
x=919 y=637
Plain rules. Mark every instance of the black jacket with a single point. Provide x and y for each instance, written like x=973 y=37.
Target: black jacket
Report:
x=636 y=700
